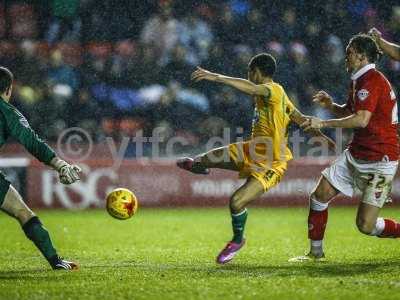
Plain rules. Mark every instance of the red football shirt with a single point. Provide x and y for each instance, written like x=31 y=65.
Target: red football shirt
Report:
x=370 y=90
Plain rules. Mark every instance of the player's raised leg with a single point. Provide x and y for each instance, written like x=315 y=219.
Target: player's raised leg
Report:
x=367 y=217
x=376 y=190
x=249 y=191
x=215 y=158
x=14 y=206
x=317 y=219
x=369 y=223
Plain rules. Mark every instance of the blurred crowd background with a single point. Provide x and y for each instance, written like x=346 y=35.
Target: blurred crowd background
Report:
x=116 y=67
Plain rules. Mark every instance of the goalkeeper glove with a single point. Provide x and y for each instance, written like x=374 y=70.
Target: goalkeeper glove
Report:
x=67 y=173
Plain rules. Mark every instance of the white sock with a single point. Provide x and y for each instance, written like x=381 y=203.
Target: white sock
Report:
x=379 y=227
x=316 y=244
x=316 y=247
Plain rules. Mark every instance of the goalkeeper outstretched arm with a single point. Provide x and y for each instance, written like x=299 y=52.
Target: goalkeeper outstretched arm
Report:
x=18 y=127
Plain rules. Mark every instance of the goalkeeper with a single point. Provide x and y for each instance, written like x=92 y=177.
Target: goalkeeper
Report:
x=13 y=124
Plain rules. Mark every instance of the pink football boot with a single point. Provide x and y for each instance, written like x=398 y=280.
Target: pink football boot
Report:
x=229 y=252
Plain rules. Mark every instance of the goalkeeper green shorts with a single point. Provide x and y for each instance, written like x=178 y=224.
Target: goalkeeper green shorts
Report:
x=4 y=186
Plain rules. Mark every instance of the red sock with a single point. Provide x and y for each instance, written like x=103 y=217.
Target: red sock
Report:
x=316 y=224
x=391 y=230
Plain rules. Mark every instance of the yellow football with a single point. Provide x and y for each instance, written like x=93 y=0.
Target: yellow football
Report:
x=121 y=203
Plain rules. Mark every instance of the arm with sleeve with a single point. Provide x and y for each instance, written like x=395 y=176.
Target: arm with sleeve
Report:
x=18 y=127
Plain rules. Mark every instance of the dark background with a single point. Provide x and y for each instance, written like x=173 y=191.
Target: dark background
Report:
x=116 y=67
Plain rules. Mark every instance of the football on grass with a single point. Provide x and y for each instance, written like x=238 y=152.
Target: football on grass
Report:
x=121 y=203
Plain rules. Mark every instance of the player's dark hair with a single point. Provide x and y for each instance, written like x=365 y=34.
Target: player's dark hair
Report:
x=365 y=44
x=6 y=79
x=265 y=62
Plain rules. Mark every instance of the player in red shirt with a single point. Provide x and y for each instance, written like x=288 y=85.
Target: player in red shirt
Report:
x=369 y=164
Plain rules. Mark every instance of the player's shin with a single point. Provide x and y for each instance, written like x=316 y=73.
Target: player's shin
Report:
x=317 y=220
x=14 y=206
x=35 y=231
x=238 y=225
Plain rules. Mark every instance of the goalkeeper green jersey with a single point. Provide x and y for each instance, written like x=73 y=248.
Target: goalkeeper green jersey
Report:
x=14 y=124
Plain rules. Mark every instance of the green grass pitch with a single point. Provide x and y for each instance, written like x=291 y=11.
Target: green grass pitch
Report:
x=169 y=254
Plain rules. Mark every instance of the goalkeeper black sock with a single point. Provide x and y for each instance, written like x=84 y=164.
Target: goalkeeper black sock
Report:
x=35 y=231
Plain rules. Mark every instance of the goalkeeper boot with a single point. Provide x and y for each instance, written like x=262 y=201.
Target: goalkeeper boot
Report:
x=58 y=263
x=229 y=252
x=189 y=164
x=310 y=257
